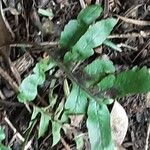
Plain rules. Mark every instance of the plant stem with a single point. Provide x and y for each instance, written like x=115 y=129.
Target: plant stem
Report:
x=72 y=78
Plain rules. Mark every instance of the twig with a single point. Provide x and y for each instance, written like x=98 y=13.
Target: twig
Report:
x=147 y=43
x=7 y=77
x=82 y=3
x=65 y=144
x=20 y=137
x=35 y=45
x=2 y=96
x=127 y=46
x=73 y=79
x=134 y=21
x=143 y=34
x=147 y=138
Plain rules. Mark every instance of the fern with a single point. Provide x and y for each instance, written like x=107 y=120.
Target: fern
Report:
x=93 y=85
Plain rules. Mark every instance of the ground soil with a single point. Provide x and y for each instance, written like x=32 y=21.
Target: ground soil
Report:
x=135 y=51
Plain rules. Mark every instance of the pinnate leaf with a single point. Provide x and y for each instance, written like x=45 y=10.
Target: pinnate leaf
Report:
x=107 y=82
x=71 y=34
x=132 y=82
x=98 y=124
x=44 y=120
x=89 y=14
x=99 y=66
x=95 y=36
x=76 y=28
x=56 y=127
x=76 y=102
x=28 y=87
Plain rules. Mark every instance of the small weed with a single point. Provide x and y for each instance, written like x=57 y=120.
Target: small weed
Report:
x=93 y=85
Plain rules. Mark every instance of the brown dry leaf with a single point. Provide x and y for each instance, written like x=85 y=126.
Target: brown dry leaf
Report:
x=148 y=100
x=76 y=120
x=119 y=123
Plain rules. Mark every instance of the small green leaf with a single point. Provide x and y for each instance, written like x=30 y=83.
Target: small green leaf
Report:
x=64 y=117
x=76 y=28
x=112 y=45
x=76 y=101
x=98 y=124
x=99 y=66
x=46 y=12
x=2 y=134
x=56 y=127
x=2 y=147
x=44 y=122
x=28 y=87
x=132 y=82
x=89 y=14
x=106 y=82
x=35 y=112
x=71 y=34
x=95 y=36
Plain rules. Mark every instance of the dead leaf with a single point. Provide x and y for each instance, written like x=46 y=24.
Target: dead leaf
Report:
x=148 y=100
x=119 y=123
x=76 y=120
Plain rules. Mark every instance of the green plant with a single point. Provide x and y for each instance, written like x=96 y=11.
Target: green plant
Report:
x=2 y=137
x=94 y=83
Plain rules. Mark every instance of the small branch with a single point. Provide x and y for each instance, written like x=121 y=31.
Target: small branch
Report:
x=147 y=138
x=65 y=144
x=14 y=129
x=134 y=21
x=143 y=34
x=35 y=45
x=82 y=3
x=72 y=78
